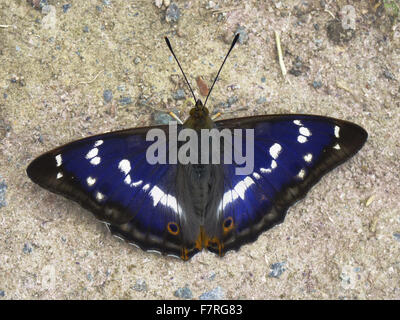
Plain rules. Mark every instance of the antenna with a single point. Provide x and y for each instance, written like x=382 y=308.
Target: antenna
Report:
x=172 y=51
x=226 y=57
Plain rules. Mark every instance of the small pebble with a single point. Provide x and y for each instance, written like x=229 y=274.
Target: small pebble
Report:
x=243 y=36
x=66 y=7
x=396 y=235
x=215 y=294
x=318 y=42
x=276 y=269
x=3 y=188
x=161 y=118
x=173 y=13
x=184 y=293
x=124 y=101
x=179 y=94
x=143 y=100
x=107 y=95
x=261 y=100
x=158 y=3
x=221 y=17
x=43 y=3
x=106 y=2
x=27 y=248
x=317 y=84
x=212 y=276
x=46 y=9
x=263 y=80
x=137 y=60
x=298 y=67
x=224 y=105
x=85 y=29
x=388 y=75
x=202 y=86
x=210 y=5
x=140 y=285
x=2 y=293
x=232 y=100
x=38 y=4
x=89 y=277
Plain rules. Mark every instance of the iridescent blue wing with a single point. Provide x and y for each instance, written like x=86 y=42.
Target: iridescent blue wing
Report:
x=292 y=153
x=108 y=174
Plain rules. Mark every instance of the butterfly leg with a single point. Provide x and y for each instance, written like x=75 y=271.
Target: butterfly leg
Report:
x=173 y=115
x=215 y=116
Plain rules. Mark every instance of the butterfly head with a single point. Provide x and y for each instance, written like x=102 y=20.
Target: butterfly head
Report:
x=199 y=110
x=199 y=117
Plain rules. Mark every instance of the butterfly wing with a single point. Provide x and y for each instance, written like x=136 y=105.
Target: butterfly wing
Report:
x=108 y=175
x=292 y=153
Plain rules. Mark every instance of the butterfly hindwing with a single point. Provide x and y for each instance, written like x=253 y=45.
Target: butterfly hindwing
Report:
x=291 y=154
x=109 y=175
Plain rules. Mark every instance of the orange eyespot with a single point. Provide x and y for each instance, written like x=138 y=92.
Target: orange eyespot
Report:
x=173 y=228
x=228 y=224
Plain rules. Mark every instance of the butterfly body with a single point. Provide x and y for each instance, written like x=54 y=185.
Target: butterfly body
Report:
x=179 y=209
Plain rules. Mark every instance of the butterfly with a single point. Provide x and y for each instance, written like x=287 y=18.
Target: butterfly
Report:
x=179 y=209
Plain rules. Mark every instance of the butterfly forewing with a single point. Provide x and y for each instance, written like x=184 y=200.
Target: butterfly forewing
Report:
x=292 y=153
x=109 y=175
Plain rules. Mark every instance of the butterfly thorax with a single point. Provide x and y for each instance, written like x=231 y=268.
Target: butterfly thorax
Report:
x=199 y=118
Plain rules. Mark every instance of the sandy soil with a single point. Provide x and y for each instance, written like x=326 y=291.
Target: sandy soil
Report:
x=341 y=242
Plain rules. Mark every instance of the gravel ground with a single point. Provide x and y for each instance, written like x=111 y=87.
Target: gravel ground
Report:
x=73 y=68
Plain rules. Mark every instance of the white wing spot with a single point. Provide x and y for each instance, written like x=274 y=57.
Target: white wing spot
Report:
x=145 y=187
x=125 y=166
x=137 y=183
x=58 y=160
x=337 y=130
x=99 y=196
x=308 y=157
x=128 y=179
x=95 y=161
x=98 y=143
x=305 y=131
x=263 y=170
x=301 y=174
x=336 y=146
x=301 y=139
x=297 y=122
x=273 y=164
x=156 y=193
x=92 y=153
x=59 y=175
x=256 y=175
x=90 y=181
x=166 y=200
x=238 y=191
x=275 y=150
